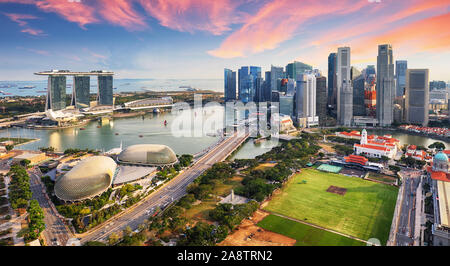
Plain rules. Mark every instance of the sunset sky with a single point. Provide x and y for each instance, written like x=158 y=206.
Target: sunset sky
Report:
x=184 y=39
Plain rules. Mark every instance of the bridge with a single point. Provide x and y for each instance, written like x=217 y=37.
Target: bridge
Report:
x=167 y=194
x=148 y=103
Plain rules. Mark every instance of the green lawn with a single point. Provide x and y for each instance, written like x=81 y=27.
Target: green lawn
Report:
x=365 y=211
x=304 y=234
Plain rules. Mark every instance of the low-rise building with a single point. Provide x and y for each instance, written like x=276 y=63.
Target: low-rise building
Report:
x=376 y=146
x=33 y=157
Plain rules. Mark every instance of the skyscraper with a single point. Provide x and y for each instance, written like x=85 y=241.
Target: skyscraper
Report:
x=343 y=78
x=332 y=79
x=276 y=73
x=287 y=105
x=105 y=90
x=81 y=91
x=293 y=70
x=259 y=90
x=321 y=99
x=230 y=85
x=305 y=101
x=400 y=77
x=267 y=84
x=417 y=96
x=247 y=82
x=359 y=85
x=56 y=93
x=385 y=85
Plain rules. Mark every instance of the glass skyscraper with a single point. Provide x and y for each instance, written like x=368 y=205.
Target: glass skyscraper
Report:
x=81 y=91
x=230 y=85
x=385 y=85
x=247 y=82
x=293 y=70
x=56 y=93
x=400 y=76
x=332 y=79
x=105 y=90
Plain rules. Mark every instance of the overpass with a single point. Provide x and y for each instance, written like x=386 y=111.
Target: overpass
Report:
x=170 y=192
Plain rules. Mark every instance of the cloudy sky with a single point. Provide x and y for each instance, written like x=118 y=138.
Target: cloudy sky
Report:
x=198 y=38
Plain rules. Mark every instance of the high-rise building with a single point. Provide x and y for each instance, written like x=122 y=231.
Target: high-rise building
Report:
x=259 y=90
x=290 y=87
x=105 y=90
x=305 y=101
x=276 y=73
x=247 y=82
x=400 y=77
x=417 y=96
x=385 y=85
x=230 y=85
x=287 y=105
x=81 y=92
x=343 y=77
x=296 y=68
x=321 y=99
x=56 y=93
x=370 y=70
x=359 y=86
x=267 y=90
x=437 y=85
x=332 y=79
x=370 y=95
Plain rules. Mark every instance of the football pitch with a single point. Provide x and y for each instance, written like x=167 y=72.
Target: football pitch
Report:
x=349 y=205
x=304 y=234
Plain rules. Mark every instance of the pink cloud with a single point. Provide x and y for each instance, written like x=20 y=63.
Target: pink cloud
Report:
x=121 y=12
x=21 y=20
x=182 y=15
x=192 y=15
x=277 y=22
x=77 y=12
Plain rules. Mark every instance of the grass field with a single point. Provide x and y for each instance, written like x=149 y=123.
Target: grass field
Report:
x=304 y=234
x=365 y=211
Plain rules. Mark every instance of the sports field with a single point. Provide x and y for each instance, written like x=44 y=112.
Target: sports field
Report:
x=363 y=209
x=304 y=234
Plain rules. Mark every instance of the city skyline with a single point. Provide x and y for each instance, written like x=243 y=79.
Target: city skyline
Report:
x=120 y=35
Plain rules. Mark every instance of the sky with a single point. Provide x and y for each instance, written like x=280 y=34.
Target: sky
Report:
x=197 y=39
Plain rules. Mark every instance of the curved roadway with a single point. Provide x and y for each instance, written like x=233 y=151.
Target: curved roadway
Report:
x=171 y=191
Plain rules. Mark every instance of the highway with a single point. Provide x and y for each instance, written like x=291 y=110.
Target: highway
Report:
x=56 y=232
x=405 y=233
x=172 y=191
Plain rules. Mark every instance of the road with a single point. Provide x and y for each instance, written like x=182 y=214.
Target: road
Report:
x=172 y=191
x=405 y=234
x=54 y=226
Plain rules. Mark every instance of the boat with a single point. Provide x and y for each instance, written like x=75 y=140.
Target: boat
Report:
x=27 y=87
x=117 y=134
x=82 y=128
x=141 y=136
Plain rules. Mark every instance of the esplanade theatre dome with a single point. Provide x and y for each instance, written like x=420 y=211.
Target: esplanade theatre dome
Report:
x=148 y=154
x=89 y=178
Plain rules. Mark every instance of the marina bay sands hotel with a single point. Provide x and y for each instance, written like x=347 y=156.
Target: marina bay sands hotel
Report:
x=56 y=89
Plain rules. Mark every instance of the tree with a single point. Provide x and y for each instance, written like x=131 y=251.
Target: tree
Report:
x=9 y=147
x=113 y=239
x=25 y=163
x=438 y=145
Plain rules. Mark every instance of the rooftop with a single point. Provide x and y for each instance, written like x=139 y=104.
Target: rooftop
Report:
x=75 y=73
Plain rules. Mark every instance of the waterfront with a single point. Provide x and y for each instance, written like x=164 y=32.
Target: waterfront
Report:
x=405 y=138
x=128 y=131
x=38 y=87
